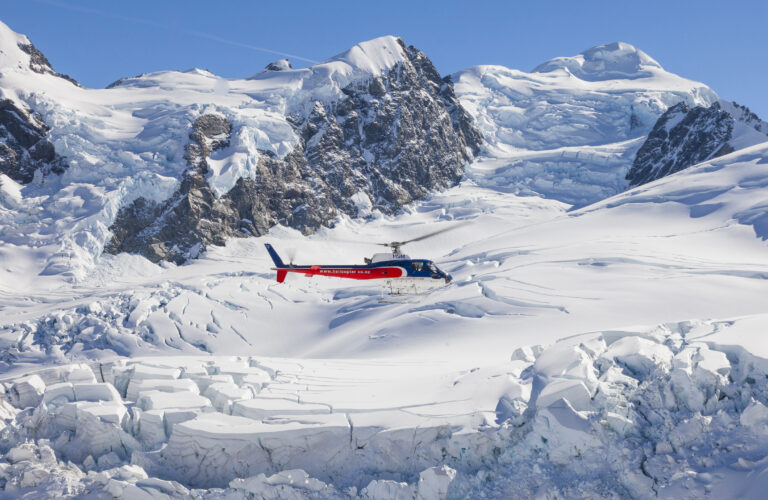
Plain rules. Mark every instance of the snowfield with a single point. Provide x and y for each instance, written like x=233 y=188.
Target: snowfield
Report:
x=595 y=342
x=612 y=350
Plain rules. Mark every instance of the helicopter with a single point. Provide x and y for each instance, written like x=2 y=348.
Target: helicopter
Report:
x=395 y=271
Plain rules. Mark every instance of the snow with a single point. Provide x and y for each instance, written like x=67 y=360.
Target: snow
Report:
x=95 y=392
x=222 y=394
x=136 y=387
x=127 y=141
x=569 y=130
x=27 y=391
x=264 y=408
x=613 y=349
x=10 y=192
x=605 y=62
x=56 y=393
x=160 y=400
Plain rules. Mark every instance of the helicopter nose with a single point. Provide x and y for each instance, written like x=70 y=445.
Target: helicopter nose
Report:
x=448 y=278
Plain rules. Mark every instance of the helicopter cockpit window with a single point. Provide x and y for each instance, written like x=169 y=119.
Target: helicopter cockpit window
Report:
x=432 y=267
x=418 y=266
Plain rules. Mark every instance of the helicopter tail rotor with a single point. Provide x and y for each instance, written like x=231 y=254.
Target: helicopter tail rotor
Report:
x=291 y=253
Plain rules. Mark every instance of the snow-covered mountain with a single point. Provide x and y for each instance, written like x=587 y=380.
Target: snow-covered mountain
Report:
x=614 y=349
x=165 y=164
x=372 y=128
x=684 y=136
x=572 y=128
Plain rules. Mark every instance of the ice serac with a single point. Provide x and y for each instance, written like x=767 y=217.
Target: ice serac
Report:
x=394 y=133
x=569 y=129
x=25 y=145
x=684 y=136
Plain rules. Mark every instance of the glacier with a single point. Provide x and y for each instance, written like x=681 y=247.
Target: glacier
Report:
x=569 y=129
x=597 y=341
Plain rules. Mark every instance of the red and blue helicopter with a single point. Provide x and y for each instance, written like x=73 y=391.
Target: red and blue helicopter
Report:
x=397 y=271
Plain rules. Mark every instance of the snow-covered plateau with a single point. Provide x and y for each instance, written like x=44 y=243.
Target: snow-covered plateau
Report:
x=597 y=341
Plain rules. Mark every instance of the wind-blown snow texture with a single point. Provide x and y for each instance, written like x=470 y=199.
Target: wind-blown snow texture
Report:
x=611 y=350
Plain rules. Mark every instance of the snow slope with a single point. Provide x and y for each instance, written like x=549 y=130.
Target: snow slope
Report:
x=596 y=351
x=569 y=129
x=128 y=140
x=616 y=350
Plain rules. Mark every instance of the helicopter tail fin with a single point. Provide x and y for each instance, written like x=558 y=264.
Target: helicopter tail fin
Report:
x=275 y=258
x=280 y=267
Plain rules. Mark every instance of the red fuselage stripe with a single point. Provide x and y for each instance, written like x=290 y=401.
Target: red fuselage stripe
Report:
x=352 y=273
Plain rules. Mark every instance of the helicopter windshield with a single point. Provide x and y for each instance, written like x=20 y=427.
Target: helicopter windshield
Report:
x=433 y=268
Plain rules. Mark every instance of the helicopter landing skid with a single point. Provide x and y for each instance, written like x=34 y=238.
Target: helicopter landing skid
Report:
x=401 y=290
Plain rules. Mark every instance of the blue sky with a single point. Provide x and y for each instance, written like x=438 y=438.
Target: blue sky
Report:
x=724 y=45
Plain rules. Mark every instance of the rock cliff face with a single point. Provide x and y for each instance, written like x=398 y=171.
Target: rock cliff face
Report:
x=745 y=115
x=683 y=136
x=388 y=141
x=40 y=64
x=24 y=148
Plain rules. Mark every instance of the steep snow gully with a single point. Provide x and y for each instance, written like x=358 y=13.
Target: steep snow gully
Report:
x=603 y=337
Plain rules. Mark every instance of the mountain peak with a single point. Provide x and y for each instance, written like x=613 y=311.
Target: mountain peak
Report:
x=374 y=56
x=611 y=61
x=281 y=65
x=17 y=51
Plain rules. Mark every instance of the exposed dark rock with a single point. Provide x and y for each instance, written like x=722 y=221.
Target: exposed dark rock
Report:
x=461 y=119
x=181 y=226
x=634 y=120
x=24 y=148
x=120 y=81
x=395 y=139
x=209 y=133
x=744 y=114
x=40 y=64
x=682 y=137
x=281 y=65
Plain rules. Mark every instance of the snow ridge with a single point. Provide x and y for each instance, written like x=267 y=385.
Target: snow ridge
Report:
x=611 y=61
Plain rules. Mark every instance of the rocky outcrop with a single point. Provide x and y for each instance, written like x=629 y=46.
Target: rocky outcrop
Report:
x=120 y=81
x=745 y=115
x=683 y=136
x=40 y=64
x=389 y=141
x=281 y=65
x=193 y=216
x=24 y=148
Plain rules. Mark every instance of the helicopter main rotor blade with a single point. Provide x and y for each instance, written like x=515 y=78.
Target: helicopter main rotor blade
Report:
x=401 y=243
x=435 y=233
x=354 y=242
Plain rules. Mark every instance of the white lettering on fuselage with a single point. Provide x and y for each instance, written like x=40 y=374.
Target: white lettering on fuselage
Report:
x=347 y=271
